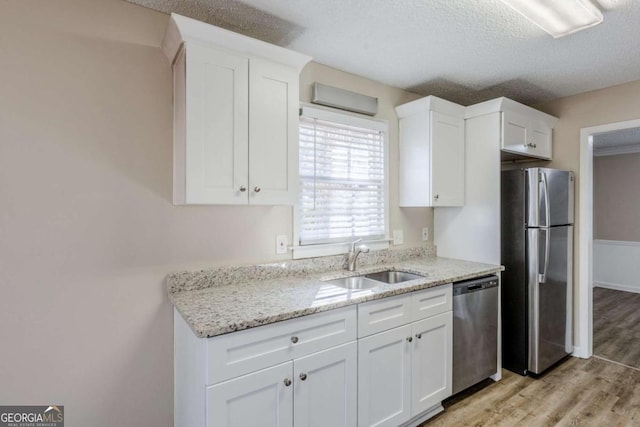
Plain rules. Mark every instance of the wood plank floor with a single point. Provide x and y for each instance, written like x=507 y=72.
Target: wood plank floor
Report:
x=616 y=326
x=577 y=392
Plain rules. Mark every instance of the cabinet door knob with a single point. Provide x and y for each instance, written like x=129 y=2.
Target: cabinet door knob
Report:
x=256 y=189
x=303 y=376
x=287 y=382
x=243 y=188
x=418 y=336
x=437 y=196
x=294 y=339
x=410 y=339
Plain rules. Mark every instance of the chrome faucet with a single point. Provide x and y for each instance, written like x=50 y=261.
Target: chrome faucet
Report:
x=353 y=254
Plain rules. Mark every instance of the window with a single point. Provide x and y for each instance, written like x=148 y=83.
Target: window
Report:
x=343 y=178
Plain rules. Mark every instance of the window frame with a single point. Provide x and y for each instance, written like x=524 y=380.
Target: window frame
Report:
x=353 y=119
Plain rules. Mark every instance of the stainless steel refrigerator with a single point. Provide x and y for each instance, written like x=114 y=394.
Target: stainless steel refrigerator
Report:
x=537 y=253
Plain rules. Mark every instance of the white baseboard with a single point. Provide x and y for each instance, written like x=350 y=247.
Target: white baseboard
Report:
x=580 y=352
x=429 y=413
x=617 y=287
x=615 y=265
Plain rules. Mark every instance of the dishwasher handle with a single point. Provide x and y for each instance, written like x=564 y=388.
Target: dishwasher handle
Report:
x=469 y=286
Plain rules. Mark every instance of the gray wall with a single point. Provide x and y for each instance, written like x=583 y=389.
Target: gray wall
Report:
x=616 y=197
x=87 y=228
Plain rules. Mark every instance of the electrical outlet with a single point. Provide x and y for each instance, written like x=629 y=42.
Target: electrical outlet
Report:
x=281 y=244
x=398 y=238
x=425 y=233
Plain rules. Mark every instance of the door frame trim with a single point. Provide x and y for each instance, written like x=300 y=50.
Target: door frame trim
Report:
x=584 y=346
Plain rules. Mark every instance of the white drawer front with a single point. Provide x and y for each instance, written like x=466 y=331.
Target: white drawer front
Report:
x=431 y=301
x=383 y=314
x=240 y=353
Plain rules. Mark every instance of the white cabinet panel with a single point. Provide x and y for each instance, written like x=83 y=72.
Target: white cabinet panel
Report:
x=214 y=147
x=525 y=135
x=326 y=388
x=430 y=302
x=380 y=315
x=384 y=378
x=541 y=137
x=262 y=398
x=235 y=116
x=415 y=160
x=431 y=153
x=273 y=134
x=515 y=133
x=235 y=354
x=447 y=160
x=431 y=362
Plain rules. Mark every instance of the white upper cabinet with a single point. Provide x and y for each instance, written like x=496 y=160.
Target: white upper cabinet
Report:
x=525 y=132
x=273 y=133
x=211 y=126
x=431 y=153
x=236 y=103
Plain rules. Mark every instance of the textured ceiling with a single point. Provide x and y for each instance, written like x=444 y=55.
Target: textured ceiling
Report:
x=617 y=138
x=466 y=51
x=629 y=136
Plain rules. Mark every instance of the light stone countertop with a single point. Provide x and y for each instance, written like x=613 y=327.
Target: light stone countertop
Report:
x=223 y=300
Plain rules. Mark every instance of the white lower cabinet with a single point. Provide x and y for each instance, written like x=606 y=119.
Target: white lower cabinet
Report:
x=431 y=362
x=405 y=372
x=326 y=388
x=318 y=371
x=318 y=390
x=384 y=378
x=260 y=398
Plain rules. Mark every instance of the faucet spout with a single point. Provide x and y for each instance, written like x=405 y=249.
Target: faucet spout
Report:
x=353 y=254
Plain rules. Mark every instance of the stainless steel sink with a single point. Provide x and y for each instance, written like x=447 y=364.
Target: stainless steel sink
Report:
x=392 y=276
x=372 y=280
x=355 y=282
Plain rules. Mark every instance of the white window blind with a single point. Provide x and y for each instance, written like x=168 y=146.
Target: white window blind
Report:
x=342 y=178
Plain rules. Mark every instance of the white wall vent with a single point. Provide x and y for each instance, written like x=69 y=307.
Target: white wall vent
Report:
x=344 y=99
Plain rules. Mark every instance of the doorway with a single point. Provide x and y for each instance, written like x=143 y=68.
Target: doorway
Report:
x=585 y=292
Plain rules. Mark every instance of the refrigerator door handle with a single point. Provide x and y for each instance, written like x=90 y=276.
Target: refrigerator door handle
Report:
x=547 y=210
x=542 y=277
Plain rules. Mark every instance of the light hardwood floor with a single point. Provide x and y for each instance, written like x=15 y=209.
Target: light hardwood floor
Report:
x=577 y=392
x=616 y=326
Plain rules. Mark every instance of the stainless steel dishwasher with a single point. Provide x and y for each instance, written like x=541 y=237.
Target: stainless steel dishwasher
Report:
x=475 y=331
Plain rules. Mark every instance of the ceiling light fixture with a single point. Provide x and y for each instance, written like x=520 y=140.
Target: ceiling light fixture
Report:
x=558 y=17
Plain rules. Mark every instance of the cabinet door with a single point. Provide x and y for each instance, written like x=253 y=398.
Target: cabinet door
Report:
x=211 y=133
x=273 y=134
x=447 y=160
x=326 y=392
x=431 y=362
x=262 y=398
x=515 y=133
x=384 y=378
x=540 y=139
x=415 y=163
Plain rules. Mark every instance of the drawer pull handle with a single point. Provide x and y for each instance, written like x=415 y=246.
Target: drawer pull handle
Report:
x=418 y=336
x=409 y=339
x=287 y=382
x=294 y=339
x=303 y=376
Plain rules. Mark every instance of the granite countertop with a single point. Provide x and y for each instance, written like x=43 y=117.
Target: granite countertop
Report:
x=227 y=299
